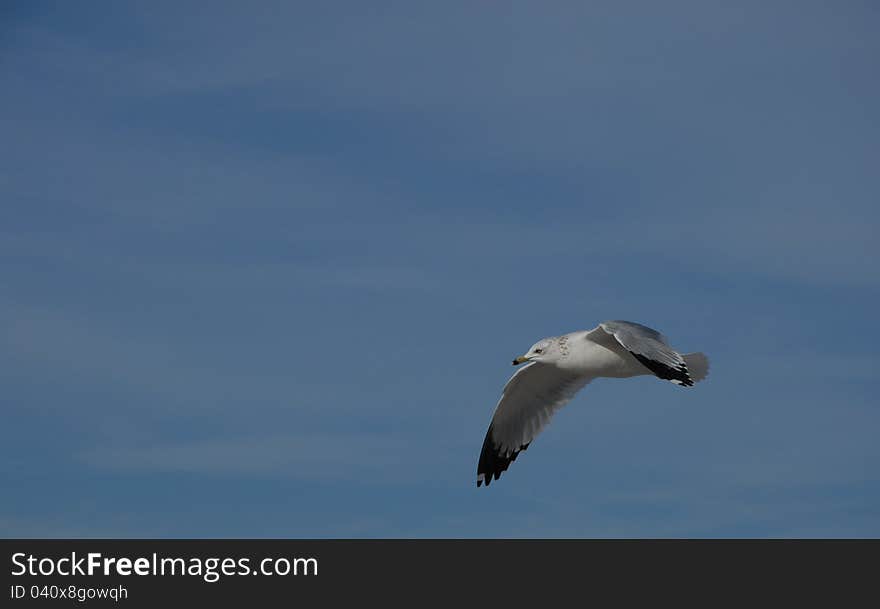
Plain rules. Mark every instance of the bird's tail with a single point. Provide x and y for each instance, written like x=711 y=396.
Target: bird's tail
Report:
x=698 y=365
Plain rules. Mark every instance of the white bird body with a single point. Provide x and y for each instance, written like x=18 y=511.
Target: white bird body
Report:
x=597 y=360
x=558 y=367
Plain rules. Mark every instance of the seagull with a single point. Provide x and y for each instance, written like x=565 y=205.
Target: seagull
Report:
x=556 y=368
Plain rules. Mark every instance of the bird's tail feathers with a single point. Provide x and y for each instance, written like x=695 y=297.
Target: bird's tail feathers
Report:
x=698 y=365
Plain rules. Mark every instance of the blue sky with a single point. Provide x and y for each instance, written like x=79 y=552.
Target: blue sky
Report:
x=263 y=267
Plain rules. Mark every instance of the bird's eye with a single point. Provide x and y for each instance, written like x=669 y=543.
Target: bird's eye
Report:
x=539 y=350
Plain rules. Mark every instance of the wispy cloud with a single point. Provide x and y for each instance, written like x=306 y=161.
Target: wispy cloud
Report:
x=310 y=456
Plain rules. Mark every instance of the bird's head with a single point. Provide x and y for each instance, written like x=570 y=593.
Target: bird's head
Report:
x=545 y=350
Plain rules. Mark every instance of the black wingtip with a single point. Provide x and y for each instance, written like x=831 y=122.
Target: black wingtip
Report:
x=678 y=375
x=493 y=462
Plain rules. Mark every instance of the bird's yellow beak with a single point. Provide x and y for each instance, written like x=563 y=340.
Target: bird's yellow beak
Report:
x=521 y=359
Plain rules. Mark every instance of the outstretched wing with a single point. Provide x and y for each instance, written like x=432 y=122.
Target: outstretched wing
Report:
x=529 y=399
x=648 y=346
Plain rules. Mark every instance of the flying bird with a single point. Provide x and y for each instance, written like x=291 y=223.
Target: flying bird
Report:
x=556 y=368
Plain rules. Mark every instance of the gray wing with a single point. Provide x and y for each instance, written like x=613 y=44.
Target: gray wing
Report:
x=529 y=399
x=649 y=347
